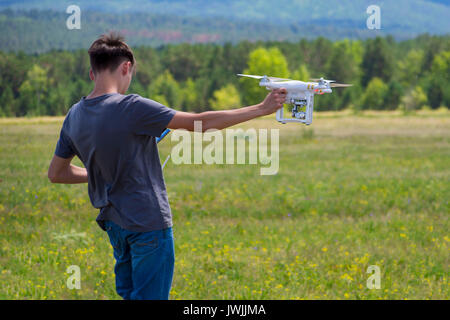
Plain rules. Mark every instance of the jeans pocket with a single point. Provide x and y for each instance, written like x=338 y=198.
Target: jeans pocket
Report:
x=145 y=244
x=150 y=244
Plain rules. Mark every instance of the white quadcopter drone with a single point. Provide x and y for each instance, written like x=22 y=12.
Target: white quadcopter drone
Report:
x=300 y=94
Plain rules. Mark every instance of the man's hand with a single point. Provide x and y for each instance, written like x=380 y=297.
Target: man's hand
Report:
x=274 y=101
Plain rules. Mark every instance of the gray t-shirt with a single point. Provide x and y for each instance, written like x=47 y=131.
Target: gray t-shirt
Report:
x=114 y=137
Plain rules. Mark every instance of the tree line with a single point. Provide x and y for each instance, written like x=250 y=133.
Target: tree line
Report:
x=386 y=74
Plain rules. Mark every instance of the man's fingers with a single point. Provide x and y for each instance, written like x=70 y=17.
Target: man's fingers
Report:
x=278 y=96
x=280 y=93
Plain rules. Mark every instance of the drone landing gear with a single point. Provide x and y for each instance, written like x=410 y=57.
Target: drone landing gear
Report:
x=302 y=110
x=298 y=106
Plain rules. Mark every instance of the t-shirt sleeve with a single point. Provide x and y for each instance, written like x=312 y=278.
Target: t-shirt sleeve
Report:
x=150 y=117
x=64 y=148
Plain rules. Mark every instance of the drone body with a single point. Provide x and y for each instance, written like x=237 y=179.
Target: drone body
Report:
x=299 y=93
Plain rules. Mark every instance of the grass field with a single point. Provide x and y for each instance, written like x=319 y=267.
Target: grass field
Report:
x=352 y=191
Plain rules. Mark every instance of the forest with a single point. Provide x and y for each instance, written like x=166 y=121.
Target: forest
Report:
x=386 y=74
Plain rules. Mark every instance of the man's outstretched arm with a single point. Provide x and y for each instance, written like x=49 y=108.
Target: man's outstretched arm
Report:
x=62 y=171
x=227 y=118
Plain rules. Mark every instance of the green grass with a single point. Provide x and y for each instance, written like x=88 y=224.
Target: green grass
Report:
x=352 y=191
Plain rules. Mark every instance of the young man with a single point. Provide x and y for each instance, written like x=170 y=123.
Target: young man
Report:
x=113 y=134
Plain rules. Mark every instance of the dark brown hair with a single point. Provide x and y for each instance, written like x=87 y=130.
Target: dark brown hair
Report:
x=109 y=51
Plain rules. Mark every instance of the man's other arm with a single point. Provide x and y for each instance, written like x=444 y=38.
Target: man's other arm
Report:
x=227 y=118
x=62 y=171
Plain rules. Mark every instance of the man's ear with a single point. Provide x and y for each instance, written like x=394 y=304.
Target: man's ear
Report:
x=91 y=74
x=126 y=67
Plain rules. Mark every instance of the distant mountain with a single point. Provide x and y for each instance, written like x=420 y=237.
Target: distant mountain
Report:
x=36 y=31
x=430 y=16
x=39 y=25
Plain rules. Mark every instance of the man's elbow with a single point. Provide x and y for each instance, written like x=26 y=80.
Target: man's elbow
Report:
x=52 y=176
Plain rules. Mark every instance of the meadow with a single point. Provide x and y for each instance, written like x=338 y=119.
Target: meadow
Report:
x=353 y=190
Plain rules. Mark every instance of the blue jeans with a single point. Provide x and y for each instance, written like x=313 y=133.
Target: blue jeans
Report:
x=144 y=262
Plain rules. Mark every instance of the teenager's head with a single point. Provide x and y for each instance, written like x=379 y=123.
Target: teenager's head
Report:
x=111 y=57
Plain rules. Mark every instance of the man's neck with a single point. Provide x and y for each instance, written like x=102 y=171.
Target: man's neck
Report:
x=95 y=94
x=103 y=86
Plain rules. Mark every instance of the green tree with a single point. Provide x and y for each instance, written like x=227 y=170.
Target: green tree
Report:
x=225 y=98
x=357 y=50
x=409 y=68
x=190 y=95
x=7 y=103
x=33 y=91
x=138 y=88
x=183 y=60
x=58 y=100
x=270 y=62
x=78 y=88
x=393 y=95
x=165 y=90
x=148 y=66
x=215 y=71
x=341 y=65
x=13 y=70
x=432 y=46
x=301 y=73
x=414 y=99
x=377 y=61
x=437 y=83
x=321 y=49
x=374 y=96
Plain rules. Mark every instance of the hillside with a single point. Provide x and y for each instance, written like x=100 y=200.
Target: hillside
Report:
x=419 y=15
x=37 y=26
x=35 y=31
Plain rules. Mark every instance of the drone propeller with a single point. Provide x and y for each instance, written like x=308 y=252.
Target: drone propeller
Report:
x=250 y=76
x=340 y=85
x=332 y=83
x=321 y=79
x=260 y=77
